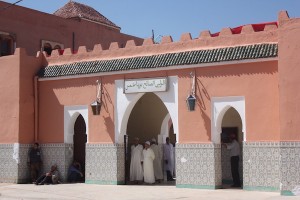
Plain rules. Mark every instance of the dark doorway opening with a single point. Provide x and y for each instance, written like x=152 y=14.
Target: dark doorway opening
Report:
x=145 y=122
x=231 y=124
x=80 y=139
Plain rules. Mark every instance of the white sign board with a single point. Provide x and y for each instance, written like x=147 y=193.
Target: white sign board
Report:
x=146 y=85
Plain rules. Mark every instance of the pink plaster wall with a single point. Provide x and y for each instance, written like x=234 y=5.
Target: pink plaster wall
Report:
x=54 y=95
x=17 y=97
x=258 y=82
x=31 y=26
x=29 y=67
x=9 y=98
x=289 y=81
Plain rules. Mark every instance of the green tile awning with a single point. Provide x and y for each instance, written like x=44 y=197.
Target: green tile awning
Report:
x=162 y=60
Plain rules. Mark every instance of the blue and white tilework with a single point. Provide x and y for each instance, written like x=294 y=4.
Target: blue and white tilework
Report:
x=198 y=165
x=105 y=164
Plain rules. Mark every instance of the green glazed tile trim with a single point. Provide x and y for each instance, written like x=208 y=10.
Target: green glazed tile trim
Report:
x=162 y=60
x=287 y=193
x=261 y=188
x=104 y=182
x=209 y=187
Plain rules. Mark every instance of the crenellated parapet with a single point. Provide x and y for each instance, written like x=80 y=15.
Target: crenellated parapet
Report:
x=228 y=37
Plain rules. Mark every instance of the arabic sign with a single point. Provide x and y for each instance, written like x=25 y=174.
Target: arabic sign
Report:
x=145 y=85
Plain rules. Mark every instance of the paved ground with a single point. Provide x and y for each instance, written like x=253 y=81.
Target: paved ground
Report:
x=142 y=192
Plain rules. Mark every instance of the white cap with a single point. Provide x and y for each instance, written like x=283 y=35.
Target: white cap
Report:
x=147 y=142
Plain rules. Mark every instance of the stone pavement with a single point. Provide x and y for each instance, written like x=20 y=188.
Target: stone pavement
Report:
x=129 y=192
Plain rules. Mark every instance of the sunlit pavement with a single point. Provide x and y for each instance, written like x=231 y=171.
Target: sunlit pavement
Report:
x=122 y=192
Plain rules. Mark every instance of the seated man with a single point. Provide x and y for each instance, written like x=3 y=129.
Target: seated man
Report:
x=50 y=177
x=74 y=173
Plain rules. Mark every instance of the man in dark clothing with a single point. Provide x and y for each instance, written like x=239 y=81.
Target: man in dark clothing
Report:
x=34 y=161
x=74 y=173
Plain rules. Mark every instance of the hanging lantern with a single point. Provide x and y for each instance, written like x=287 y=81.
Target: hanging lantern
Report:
x=96 y=105
x=191 y=102
x=191 y=99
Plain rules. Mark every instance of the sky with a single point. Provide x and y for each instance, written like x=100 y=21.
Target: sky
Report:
x=175 y=17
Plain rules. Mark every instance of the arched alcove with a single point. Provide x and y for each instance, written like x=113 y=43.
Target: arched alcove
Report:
x=126 y=102
x=231 y=123
x=147 y=118
x=220 y=106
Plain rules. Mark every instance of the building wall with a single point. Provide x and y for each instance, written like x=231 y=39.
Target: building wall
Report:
x=289 y=98
x=257 y=82
x=9 y=107
x=30 y=27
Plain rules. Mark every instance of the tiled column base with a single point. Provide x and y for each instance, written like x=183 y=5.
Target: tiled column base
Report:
x=13 y=161
x=198 y=166
x=8 y=165
x=261 y=166
x=60 y=154
x=105 y=164
x=290 y=168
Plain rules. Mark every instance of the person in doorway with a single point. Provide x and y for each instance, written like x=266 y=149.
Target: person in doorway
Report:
x=50 y=177
x=34 y=161
x=158 y=173
x=74 y=173
x=136 y=168
x=148 y=156
x=169 y=159
x=234 y=149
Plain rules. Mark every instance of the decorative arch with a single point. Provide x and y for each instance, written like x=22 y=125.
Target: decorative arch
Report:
x=70 y=115
x=126 y=102
x=220 y=105
x=164 y=131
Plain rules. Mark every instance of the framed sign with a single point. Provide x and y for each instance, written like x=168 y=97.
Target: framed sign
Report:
x=146 y=85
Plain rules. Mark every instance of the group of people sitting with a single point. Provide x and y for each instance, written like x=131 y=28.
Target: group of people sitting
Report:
x=146 y=163
x=52 y=176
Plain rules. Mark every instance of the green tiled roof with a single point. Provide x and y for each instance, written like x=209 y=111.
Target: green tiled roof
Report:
x=162 y=60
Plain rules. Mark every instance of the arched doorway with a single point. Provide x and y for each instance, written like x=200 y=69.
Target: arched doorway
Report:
x=80 y=139
x=149 y=119
x=231 y=124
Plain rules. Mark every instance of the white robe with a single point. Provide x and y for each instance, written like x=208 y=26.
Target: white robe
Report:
x=158 y=173
x=148 y=165
x=136 y=168
x=169 y=156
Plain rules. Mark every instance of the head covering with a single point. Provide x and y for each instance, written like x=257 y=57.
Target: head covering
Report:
x=147 y=142
x=153 y=140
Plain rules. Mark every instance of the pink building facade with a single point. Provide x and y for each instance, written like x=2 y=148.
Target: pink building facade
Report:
x=243 y=81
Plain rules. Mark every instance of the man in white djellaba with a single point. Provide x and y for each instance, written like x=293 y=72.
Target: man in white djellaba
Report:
x=148 y=156
x=136 y=168
x=158 y=172
x=169 y=159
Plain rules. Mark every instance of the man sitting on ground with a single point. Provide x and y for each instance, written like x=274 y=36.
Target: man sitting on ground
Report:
x=50 y=177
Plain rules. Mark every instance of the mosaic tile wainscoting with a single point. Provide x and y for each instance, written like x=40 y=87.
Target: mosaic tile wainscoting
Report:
x=198 y=166
x=60 y=154
x=13 y=165
x=226 y=166
x=261 y=166
x=290 y=168
x=105 y=164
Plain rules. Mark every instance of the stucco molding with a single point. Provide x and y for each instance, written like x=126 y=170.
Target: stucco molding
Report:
x=219 y=106
x=126 y=102
x=70 y=115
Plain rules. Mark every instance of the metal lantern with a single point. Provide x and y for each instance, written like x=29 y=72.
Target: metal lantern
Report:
x=96 y=107
x=191 y=102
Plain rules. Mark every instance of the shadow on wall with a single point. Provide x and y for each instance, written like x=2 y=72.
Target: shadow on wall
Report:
x=108 y=121
x=202 y=96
